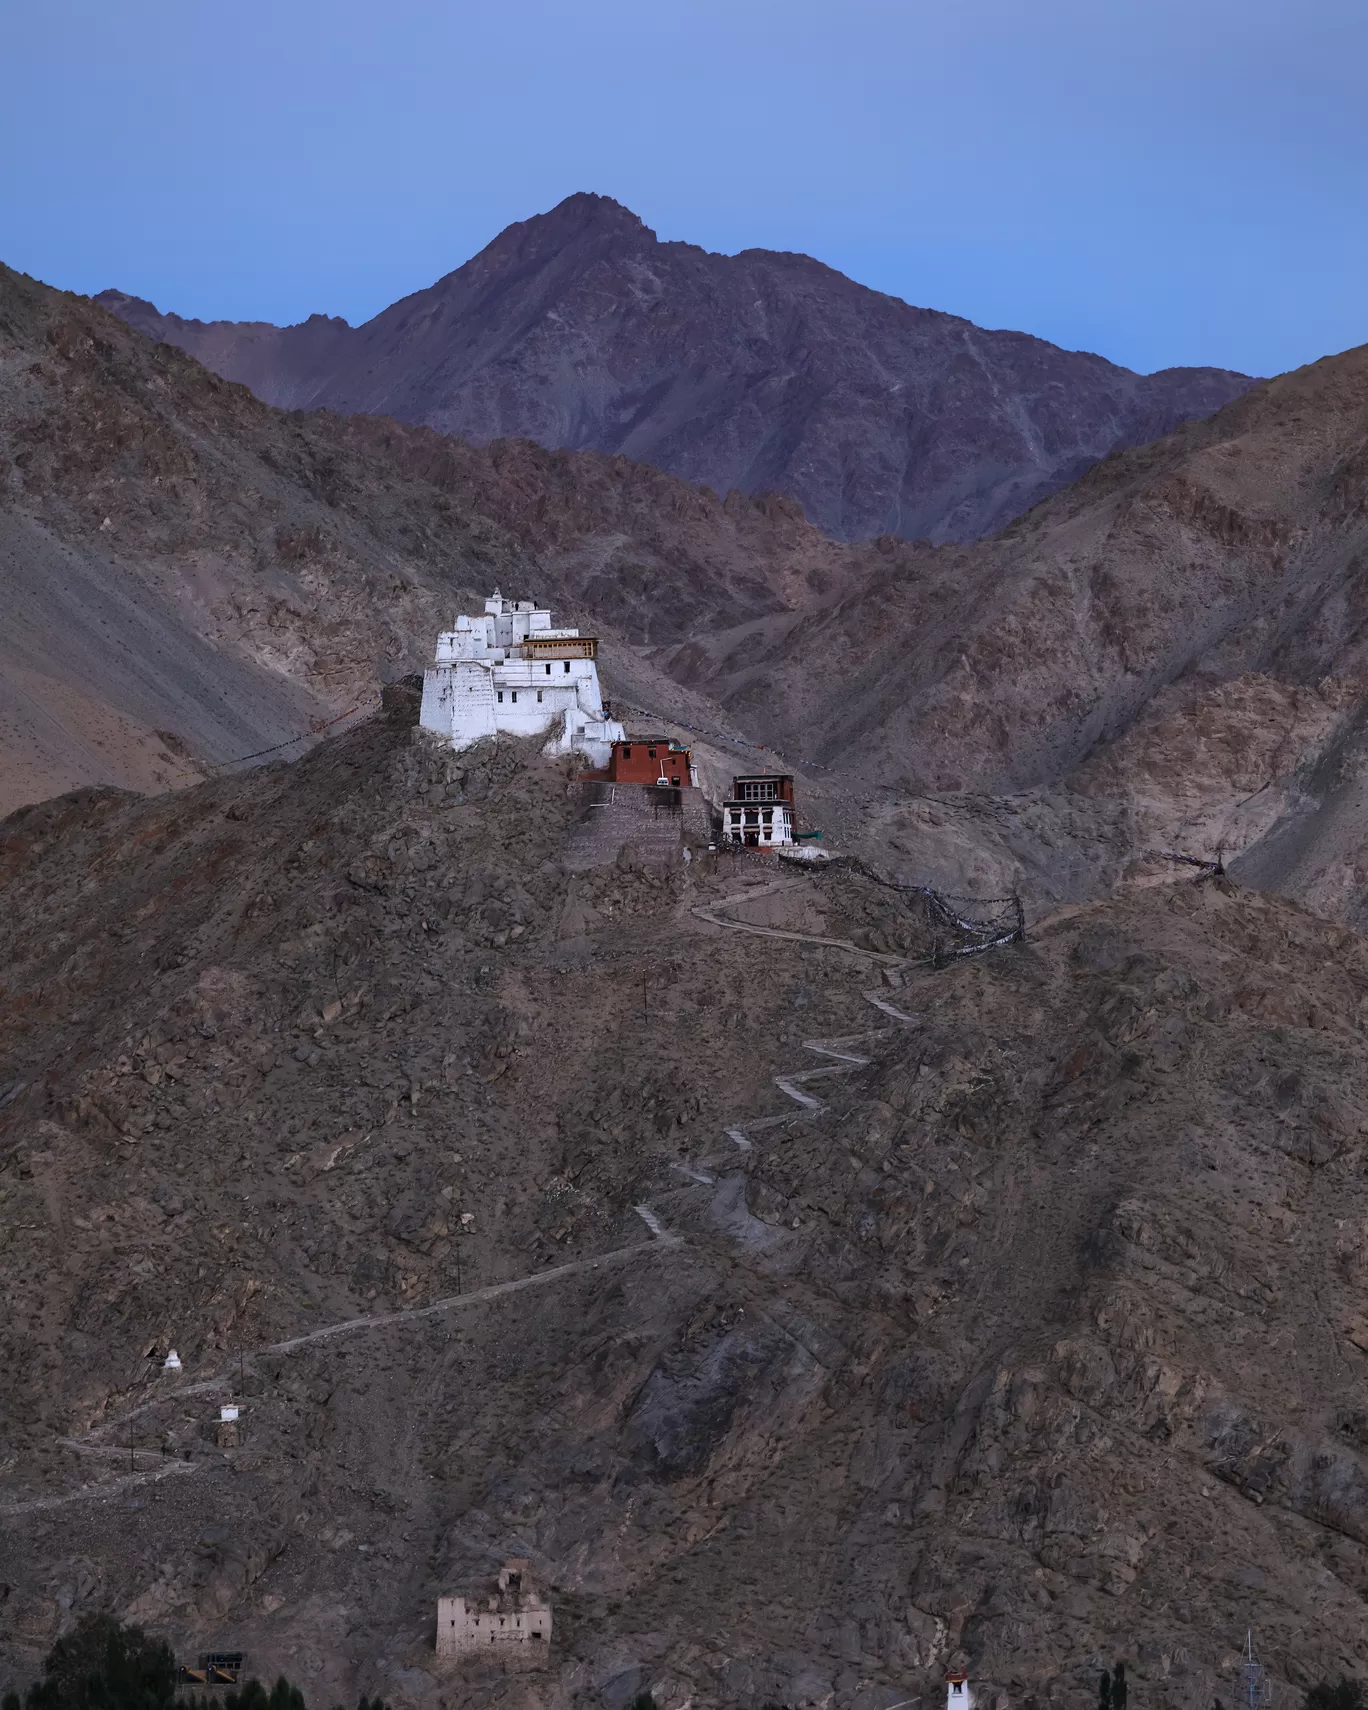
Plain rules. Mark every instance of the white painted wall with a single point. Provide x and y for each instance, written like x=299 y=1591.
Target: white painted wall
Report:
x=772 y=820
x=479 y=685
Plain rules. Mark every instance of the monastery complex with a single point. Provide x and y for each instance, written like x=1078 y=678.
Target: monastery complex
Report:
x=510 y=670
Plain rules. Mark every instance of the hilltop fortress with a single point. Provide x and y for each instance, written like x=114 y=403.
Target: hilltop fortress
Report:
x=510 y=670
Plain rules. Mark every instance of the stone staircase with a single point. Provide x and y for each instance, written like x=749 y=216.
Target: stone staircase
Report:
x=657 y=824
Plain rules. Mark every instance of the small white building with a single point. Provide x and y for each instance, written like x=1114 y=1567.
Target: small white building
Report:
x=760 y=811
x=958 y=1695
x=513 y=1629
x=511 y=670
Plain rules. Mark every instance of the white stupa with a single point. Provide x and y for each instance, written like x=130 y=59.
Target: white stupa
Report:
x=172 y=1362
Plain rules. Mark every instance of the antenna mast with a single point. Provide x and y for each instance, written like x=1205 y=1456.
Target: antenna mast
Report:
x=1256 y=1690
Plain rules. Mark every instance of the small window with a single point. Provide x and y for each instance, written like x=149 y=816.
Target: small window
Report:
x=650 y=753
x=548 y=670
x=539 y=694
x=501 y=694
x=627 y=751
x=675 y=782
x=567 y=667
x=515 y=697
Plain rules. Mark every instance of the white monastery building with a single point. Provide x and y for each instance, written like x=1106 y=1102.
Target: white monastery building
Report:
x=513 y=1629
x=510 y=670
x=760 y=811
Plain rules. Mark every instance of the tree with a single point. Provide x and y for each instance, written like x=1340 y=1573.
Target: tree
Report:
x=1111 y=1689
x=1345 y=1694
x=253 y=1696
x=286 y=1697
x=104 y=1665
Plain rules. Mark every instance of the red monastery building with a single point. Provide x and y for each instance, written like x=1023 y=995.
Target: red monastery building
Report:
x=650 y=760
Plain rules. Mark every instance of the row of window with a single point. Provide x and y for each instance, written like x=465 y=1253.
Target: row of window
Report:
x=514 y=694
x=766 y=791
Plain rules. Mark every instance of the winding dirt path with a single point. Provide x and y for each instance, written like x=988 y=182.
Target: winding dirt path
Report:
x=712 y=914
x=844 y=1060
x=90 y=1442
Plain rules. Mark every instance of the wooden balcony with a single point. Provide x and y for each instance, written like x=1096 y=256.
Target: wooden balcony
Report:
x=560 y=647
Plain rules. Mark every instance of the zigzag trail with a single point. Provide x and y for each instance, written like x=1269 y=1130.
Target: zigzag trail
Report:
x=844 y=1059
x=712 y=914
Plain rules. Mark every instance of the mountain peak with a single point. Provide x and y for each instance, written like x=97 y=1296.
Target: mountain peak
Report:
x=123 y=303
x=575 y=220
x=585 y=210
x=763 y=372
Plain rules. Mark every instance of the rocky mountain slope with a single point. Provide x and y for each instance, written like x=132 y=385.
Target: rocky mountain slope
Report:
x=1041 y=1343
x=1168 y=653
x=191 y=576
x=756 y=372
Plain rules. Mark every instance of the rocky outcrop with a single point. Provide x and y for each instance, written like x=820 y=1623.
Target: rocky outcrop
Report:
x=759 y=371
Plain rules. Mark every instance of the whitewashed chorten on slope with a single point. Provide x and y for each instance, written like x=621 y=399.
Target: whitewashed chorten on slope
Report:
x=509 y=670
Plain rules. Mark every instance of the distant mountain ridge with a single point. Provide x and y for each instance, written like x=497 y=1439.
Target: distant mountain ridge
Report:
x=762 y=371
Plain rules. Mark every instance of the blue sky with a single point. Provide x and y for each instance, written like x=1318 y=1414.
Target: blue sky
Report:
x=1163 y=181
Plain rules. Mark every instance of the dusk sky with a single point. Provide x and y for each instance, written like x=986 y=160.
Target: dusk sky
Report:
x=1162 y=181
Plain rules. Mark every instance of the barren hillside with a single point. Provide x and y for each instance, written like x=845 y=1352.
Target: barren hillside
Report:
x=1034 y=1337
x=192 y=576
x=1170 y=652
